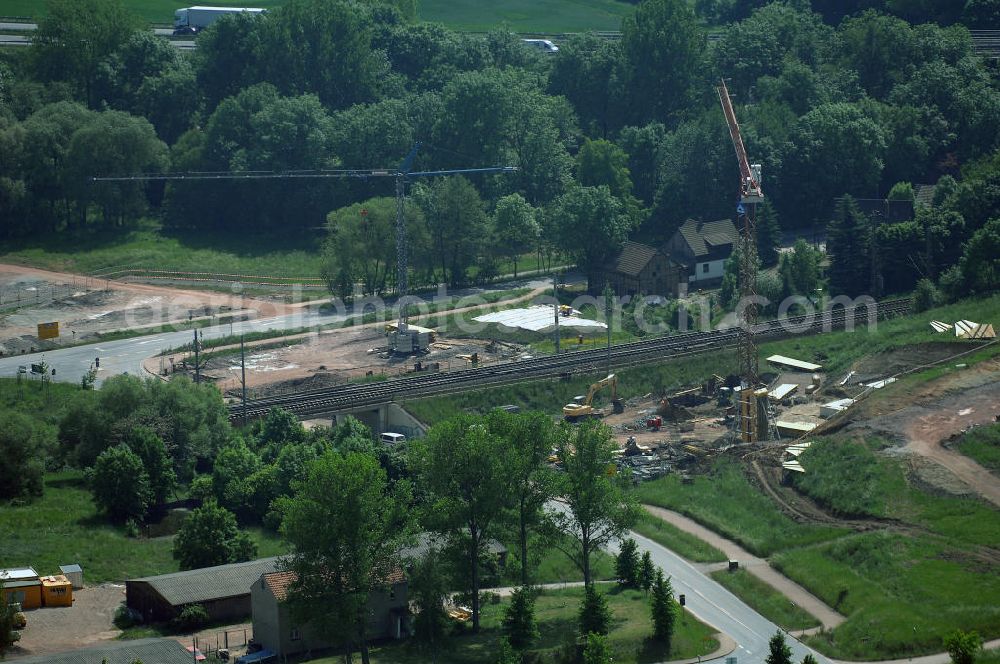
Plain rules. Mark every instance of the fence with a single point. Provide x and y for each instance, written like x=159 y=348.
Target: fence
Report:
x=209 y=644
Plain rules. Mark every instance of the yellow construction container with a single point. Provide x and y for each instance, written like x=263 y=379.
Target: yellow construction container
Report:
x=57 y=591
x=22 y=585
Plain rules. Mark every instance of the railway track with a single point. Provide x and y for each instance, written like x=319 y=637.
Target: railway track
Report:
x=343 y=397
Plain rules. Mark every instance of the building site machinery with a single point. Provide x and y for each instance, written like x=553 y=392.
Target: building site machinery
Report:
x=583 y=406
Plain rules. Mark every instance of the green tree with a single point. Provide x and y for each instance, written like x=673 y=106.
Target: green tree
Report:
x=461 y=467
x=842 y=150
x=120 y=484
x=664 y=611
x=588 y=72
x=926 y=296
x=209 y=536
x=963 y=647
x=901 y=191
x=361 y=245
x=642 y=144
x=530 y=438
x=809 y=659
x=597 y=650
x=506 y=653
x=601 y=162
x=647 y=572
x=150 y=449
x=627 y=565
x=594 y=616
x=458 y=226
x=74 y=36
x=365 y=524
x=778 y=650
x=519 y=619
x=768 y=234
x=8 y=627
x=516 y=228
x=24 y=445
x=800 y=269
x=599 y=508
x=231 y=472
x=662 y=46
x=849 y=248
x=980 y=262
x=592 y=226
x=429 y=589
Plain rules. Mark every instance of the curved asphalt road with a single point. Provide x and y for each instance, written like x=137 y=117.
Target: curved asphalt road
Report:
x=126 y=355
x=716 y=606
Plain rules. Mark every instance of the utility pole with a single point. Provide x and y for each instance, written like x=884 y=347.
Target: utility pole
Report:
x=555 y=307
x=197 y=359
x=243 y=379
x=608 y=298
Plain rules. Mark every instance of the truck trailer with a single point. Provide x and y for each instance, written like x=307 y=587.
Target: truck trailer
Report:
x=191 y=20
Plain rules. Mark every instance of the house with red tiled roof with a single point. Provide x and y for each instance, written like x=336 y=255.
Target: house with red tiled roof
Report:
x=276 y=630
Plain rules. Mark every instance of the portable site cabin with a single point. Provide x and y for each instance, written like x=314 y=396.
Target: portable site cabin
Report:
x=23 y=586
x=57 y=591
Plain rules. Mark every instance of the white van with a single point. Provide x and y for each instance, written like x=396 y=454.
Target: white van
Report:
x=393 y=438
x=542 y=45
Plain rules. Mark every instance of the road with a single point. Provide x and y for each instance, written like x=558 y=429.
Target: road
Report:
x=126 y=355
x=716 y=606
x=25 y=40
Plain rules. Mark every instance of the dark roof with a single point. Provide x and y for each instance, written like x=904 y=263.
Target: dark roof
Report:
x=150 y=651
x=209 y=583
x=885 y=210
x=924 y=194
x=633 y=258
x=707 y=237
x=279 y=582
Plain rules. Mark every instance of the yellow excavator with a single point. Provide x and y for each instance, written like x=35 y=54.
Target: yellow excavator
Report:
x=582 y=407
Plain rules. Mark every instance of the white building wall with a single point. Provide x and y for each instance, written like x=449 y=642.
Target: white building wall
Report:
x=715 y=271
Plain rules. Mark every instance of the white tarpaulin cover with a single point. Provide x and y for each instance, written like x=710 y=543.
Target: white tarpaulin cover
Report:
x=536 y=319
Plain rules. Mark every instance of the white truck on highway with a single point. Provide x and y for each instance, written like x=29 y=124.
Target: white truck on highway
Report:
x=191 y=20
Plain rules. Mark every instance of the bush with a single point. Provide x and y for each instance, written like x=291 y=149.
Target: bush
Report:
x=926 y=296
x=192 y=618
x=595 y=616
x=120 y=484
x=125 y=617
x=627 y=567
x=519 y=619
x=210 y=537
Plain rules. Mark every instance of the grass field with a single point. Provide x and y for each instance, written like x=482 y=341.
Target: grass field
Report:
x=983 y=445
x=765 y=600
x=518 y=15
x=556 y=614
x=64 y=527
x=683 y=544
x=902 y=594
x=726 y=502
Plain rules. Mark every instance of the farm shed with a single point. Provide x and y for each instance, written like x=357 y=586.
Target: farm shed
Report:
x=223 y=590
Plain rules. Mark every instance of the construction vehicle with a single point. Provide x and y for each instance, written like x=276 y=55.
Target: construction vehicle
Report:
x=582 y=407
x=654 y=423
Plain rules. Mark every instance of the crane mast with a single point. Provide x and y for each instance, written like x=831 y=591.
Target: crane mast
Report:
x=750 y=415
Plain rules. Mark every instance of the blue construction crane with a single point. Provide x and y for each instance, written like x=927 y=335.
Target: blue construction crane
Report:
x=402 y=340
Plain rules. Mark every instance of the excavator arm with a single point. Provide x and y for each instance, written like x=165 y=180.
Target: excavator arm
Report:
x=574 y=410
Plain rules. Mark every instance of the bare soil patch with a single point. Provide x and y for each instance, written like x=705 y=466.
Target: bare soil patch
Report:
x=85 y=307
x=59 y=629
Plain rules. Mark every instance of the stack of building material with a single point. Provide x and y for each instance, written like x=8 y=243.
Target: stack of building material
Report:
x=782 y=391
x=966 y=329
x=792 y=453
x=828 y=410
x=939 y=327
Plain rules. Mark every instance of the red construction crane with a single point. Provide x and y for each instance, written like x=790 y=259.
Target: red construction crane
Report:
x=752 y=418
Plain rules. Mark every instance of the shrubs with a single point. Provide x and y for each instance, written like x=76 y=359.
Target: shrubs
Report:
x=210 y=537
x=627 y=566
x=519 y=619
x=595 y=616
x=192 y=618
x=846 y=477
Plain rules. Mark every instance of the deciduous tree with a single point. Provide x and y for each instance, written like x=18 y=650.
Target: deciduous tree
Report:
x=120 y=484
x=461 y=468
x=598 y=508
x=365 y=524
x=209 y=537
